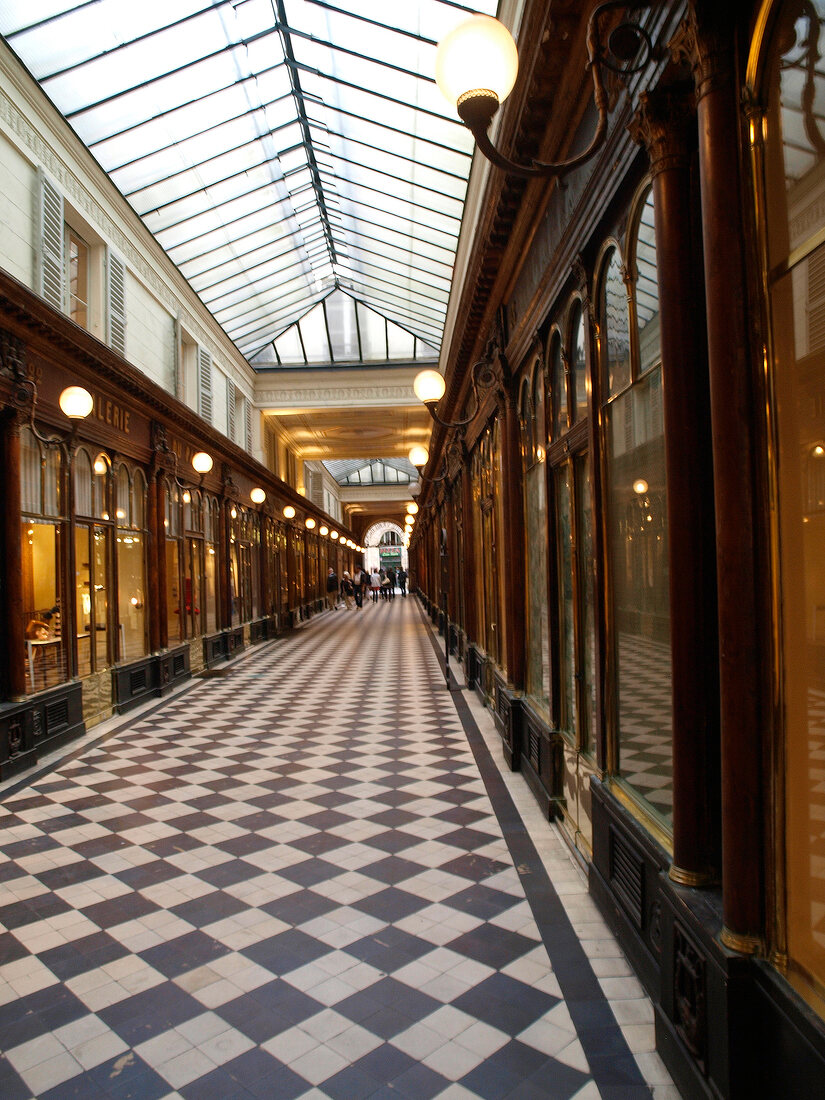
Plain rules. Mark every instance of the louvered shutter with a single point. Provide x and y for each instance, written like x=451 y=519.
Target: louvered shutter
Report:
x=115 y=303
x=247 y=411
x=205 y=384
x=50 y=257
x=230 y=409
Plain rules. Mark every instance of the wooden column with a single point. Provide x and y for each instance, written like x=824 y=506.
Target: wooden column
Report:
x=14 y=627
x=707 y=39
x=666 y=125
x=155 y=610
x=513 y=540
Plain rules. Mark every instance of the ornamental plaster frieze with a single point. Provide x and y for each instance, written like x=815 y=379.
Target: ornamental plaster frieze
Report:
x=40 y=152
x=336 y=397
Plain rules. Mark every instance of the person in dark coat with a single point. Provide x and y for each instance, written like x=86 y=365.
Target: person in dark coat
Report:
x=332 y=589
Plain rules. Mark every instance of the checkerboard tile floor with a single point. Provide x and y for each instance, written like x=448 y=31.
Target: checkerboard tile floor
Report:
x=285 y=882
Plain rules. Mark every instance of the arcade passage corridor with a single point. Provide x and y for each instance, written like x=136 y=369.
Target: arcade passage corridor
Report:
x=306 y=876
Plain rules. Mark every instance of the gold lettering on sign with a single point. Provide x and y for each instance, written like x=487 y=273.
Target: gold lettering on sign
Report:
x=111 y=413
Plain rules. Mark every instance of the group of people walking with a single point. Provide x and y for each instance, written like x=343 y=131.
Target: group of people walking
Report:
x=380 y=583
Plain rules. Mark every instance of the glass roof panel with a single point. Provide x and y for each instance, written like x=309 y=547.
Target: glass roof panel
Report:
x=245 y=131
x=289 y=347
x=377 y=471
x=343 y=327
x=373 y=333
x=314 y=335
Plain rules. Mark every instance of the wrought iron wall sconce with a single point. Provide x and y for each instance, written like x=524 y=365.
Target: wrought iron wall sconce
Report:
x=419 y=456
x=75 y=402
x=429 y=387
x=202 y=463
x=477 y=65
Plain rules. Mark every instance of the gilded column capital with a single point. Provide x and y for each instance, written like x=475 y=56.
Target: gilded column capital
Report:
x=662 y=124
x=704 y=42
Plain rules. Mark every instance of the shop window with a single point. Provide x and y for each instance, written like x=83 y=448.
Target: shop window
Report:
x=131 y=540
x=535 y=515
x=43 y=637
x=93 y=564
x=791 y=176
x=637 y=520
x=172 y=523
x=573 y=631
x=209 y=611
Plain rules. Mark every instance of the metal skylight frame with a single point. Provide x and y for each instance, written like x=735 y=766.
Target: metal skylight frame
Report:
x=293 y=167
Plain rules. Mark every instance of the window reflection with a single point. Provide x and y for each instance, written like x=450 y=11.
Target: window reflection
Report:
x=795 y=184
x=637 y=521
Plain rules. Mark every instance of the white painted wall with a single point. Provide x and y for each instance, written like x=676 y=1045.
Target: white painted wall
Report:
x=150 y=334
x=17 y=212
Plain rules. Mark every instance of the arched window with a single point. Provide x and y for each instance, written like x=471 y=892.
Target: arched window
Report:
x=93 y=532
x=615 y=325
x=131 y=543
x=44 y=534
x=636 y=499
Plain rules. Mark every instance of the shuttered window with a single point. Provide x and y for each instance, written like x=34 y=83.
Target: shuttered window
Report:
x=247 y=408
x=230 y=409
x=115 y=303
x=205 y=384
x=50 y=259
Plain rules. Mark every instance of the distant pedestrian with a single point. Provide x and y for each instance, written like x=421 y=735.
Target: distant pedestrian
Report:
x=375 y=584
x=401 y=577
x=347 y=590
x=332 y=589
x=360 y=580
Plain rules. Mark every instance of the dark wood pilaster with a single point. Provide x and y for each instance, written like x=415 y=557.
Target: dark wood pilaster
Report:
x=665 y=124
x=707 y=40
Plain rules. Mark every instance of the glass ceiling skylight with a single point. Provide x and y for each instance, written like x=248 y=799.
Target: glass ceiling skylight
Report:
x=277 y=149
x=379 y=471
x=340 y=330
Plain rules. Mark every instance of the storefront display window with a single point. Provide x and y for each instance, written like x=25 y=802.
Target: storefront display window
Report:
x=193 y=563
x=792 y=178
x=43 y=536
x=211 y=514
x=637 y=531
x=535 y=515
x=93 y=567
x=172 y=523
x=569 y=460
x=131 y=541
